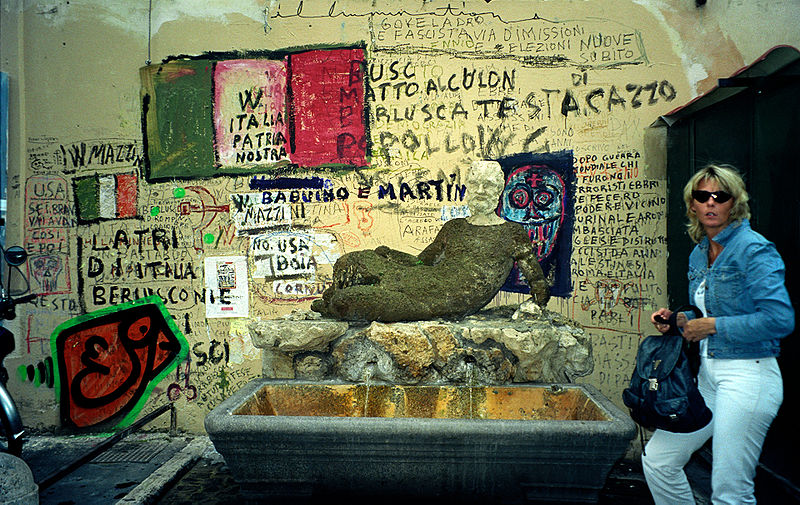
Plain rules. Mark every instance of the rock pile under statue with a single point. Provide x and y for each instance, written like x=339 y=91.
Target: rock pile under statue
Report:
x=500 y=345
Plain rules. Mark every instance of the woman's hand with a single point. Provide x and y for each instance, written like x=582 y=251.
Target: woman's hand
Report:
x=659 y=319
x=693 y=330
x=700 y=328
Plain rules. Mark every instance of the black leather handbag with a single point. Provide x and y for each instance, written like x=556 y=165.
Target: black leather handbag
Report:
x=663 y=390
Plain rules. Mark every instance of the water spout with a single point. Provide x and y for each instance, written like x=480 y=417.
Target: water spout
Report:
x=369 y=371
x=470 y=361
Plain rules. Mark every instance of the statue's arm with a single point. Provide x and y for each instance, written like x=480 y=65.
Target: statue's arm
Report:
x=435 y=249
x=396 y=256
x=532 y=272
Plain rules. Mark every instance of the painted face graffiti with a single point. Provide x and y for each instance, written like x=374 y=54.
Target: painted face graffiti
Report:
x=534 y=197
x=45 y=271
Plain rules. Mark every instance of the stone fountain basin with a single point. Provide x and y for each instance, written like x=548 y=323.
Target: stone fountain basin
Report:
x=513 y=443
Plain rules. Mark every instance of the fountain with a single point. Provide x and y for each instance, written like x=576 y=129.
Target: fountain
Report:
x=446 y=400
x=512 y=443
x=424 y=409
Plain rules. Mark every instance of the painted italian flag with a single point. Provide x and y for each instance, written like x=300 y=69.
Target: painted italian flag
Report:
x=101 y=197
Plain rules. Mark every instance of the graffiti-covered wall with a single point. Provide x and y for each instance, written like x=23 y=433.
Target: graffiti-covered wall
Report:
x=175 y=173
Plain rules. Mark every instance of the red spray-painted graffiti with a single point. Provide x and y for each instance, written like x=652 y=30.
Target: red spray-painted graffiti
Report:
x=328 y=107
x=108 y=361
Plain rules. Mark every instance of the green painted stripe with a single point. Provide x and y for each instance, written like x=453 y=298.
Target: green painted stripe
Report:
x=87 y=198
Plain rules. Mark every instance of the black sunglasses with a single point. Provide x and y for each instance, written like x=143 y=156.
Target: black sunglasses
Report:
x=718 y=196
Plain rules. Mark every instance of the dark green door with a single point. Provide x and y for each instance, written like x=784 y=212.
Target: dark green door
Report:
x=757 y=131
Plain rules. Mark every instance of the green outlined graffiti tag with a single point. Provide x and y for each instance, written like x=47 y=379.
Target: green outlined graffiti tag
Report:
x=109 y=361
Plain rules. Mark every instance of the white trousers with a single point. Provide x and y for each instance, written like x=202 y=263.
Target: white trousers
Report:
x=744 y=396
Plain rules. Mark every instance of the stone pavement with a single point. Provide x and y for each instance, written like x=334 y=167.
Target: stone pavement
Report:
x=157 y=468
x=210 y=482
x=135 y=470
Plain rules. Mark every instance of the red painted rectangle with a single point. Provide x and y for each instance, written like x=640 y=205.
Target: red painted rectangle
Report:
x=126 y=195
x=327 y=88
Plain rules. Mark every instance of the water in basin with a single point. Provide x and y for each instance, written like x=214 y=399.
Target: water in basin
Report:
x=558 y=403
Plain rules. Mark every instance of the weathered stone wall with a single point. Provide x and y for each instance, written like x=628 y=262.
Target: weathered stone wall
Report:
x=445 y=83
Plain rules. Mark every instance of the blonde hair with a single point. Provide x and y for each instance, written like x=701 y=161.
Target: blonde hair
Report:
x=729 y=180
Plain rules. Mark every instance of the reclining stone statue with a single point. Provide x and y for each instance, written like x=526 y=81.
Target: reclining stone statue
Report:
x=455 y=276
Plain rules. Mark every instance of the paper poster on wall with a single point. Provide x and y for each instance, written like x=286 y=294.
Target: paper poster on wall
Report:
x=251 y=214
x=226 y=287
x=329 y=127
x=211 y=117
x=249 y=112
x=178 y=120
x=289 y=254
x=539 y=194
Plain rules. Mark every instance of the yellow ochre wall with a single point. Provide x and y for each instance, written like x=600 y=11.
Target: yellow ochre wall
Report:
x=582 y=76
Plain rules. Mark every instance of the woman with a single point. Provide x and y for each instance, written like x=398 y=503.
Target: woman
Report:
x=456 y=275
x=736 y=277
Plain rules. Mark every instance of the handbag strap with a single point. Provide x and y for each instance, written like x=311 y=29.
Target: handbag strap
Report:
x=692 y=349
x=673 y=318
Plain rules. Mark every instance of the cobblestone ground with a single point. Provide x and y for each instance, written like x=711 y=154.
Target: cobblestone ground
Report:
x=209 y=482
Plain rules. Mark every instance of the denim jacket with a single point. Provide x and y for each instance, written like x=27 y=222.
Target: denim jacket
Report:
x=745 y=292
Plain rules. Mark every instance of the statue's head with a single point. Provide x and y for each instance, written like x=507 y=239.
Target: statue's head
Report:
x=485 y=180
x=534 y=196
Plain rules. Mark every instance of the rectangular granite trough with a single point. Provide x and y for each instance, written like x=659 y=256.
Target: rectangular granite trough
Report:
x=511 y=443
